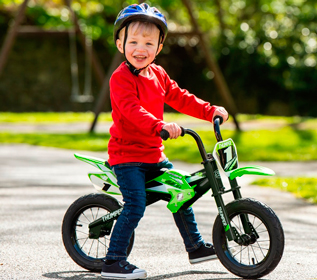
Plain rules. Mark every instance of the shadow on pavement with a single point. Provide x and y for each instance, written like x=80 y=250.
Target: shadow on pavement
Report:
x=72 y=275
x=183 y=273
x=78 y=275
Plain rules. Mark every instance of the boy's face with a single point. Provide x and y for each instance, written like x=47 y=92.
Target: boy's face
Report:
x=141 y=46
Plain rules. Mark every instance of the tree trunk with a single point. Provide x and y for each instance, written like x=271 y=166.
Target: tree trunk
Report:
x=213 y=66
x=11 y=34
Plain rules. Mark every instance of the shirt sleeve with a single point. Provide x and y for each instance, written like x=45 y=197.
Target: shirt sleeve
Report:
x=187 y=103
x=124 y=97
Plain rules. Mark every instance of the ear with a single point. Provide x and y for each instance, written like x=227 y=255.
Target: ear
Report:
x=159 y=49
x=119 y=44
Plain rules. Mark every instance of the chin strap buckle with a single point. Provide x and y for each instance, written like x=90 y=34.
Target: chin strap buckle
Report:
x=133 y=70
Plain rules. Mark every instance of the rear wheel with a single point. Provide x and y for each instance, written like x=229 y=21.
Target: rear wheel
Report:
x=258 y=255
x=87 y=252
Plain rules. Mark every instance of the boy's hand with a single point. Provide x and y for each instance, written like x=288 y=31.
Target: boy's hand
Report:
x=222 y=112
x=173 y=129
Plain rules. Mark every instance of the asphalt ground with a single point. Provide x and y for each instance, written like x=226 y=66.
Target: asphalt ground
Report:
x=38 y=184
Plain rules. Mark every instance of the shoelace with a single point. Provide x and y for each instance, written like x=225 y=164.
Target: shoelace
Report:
x=208 y=245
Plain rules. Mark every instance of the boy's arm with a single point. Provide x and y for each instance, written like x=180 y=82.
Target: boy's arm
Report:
x=187 y=103
x=124 y=98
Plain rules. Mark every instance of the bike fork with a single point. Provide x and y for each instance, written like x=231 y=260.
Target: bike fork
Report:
x=247 y=226
x=217 y=188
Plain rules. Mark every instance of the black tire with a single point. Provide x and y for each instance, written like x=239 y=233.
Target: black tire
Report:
x=86 y=252
x=253 y=260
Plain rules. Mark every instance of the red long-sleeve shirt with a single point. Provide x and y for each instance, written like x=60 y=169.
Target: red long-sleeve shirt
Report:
x=137 y=112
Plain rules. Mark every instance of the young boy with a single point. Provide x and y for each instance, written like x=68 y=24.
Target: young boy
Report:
x=138 y=90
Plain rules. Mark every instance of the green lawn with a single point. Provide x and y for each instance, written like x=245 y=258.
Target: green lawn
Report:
x=75 y=141
x=302 y=187
x=64 y=117
x=260 y=145
x=294 y=139
x=285 y=144
x=50 y=117
x=279 y=139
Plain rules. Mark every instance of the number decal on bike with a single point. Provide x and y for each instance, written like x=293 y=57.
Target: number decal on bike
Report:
x=229 y=158
x=228 y=152
x=225 y=153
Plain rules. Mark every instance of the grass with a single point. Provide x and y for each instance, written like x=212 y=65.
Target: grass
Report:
x=50 y=117
x=63 y=117
x=75 y=141
x=285 y=144
x=285 y=139
x=302 y=187
x=68 y=117
x=290 y=141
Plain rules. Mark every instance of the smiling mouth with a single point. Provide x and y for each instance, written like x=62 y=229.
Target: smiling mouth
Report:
x=140 y=57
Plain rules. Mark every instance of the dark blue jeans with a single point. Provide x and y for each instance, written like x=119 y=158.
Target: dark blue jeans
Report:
x=131 y=179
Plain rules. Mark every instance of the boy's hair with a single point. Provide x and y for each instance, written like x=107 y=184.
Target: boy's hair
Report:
x=136 y=26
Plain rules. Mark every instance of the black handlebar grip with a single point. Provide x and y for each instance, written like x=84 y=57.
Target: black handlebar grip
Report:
x=165 y=134
x=217 y=121
x=183 y=131
x=220 y=119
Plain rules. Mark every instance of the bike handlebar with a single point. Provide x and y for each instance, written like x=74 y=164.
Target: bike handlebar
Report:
x=165 y=134
x=217 y=121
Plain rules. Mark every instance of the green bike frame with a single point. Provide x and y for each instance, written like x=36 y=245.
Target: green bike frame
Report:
x=181 y=189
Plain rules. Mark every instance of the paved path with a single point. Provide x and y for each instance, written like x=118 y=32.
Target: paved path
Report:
x=38 y=184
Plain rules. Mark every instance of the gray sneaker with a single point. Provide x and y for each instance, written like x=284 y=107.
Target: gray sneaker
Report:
x=206 y=252
x=122 y=270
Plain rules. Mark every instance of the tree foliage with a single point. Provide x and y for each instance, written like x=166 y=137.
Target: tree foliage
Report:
x=266 y=48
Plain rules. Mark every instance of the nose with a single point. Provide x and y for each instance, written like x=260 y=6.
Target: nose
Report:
x=141 y=48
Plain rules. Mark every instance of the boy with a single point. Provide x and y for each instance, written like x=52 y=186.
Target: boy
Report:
x=138 y=90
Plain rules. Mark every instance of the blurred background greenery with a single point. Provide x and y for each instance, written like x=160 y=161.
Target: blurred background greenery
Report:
x=266 y=50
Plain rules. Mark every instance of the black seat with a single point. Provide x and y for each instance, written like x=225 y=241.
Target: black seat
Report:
x=153 y=174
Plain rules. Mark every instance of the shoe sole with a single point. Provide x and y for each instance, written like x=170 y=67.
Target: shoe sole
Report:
x=204 y=259
x=138 y=275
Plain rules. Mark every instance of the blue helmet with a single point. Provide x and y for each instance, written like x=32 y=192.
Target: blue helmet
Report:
x=142 y=12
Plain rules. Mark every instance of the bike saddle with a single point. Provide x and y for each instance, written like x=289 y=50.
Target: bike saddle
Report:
x=150 y=175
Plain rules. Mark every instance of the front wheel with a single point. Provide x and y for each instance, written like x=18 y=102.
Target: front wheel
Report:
x=87 y=252
x=260 y=252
